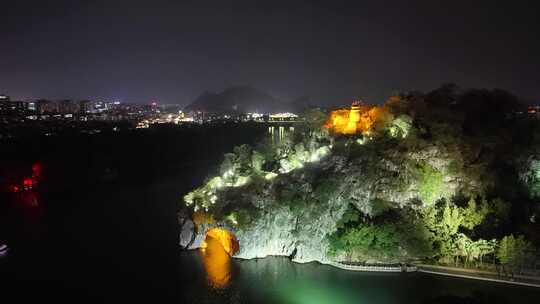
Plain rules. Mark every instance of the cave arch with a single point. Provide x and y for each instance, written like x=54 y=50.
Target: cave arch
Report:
x=226 y=238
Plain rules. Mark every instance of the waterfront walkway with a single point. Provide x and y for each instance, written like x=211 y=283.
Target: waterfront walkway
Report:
x=464 y=273
x=477 y=274
x=373 y=268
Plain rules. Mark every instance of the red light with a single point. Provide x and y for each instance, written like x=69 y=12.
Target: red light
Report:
x=36 y=170
x=28 y=182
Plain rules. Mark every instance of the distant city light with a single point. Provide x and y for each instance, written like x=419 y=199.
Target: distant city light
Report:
x=255 y=115
x=283 y=115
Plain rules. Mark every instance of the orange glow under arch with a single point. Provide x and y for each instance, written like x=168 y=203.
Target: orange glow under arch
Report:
x=226 y=238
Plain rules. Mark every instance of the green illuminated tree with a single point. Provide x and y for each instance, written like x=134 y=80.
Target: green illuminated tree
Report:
x=444 y=220
x=400 y=126
x=473 y=214
x=501 y=210
x=374 y=240
x=243 y=158
x=313 y=119
x=513 y=252
x=532 y=178
x=257 y=161
x=486 y=247
x=471 y=251
x=431 y=184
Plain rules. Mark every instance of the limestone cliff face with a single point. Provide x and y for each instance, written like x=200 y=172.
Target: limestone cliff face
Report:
x=277 y=230
x=276 y=233
x=292 y=212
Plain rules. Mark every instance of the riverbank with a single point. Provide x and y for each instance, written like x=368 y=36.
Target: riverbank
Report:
x=373 y=268
x=476 y=274
x=464 y=273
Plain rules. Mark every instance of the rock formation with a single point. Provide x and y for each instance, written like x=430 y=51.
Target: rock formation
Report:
x=387 y=190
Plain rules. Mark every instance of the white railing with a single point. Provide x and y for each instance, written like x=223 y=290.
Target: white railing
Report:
x=374 y=268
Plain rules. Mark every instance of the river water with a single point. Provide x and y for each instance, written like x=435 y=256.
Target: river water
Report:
x=119 y=245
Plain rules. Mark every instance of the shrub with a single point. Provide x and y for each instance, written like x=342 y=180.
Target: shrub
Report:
x=431 y=184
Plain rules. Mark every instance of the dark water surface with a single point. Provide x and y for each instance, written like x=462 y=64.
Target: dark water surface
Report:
x=119 y=245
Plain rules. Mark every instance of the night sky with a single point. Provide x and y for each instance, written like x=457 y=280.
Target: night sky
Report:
x=171 y=52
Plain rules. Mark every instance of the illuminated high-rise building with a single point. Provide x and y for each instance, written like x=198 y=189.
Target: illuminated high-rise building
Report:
x=4 y=104
x=85 y=106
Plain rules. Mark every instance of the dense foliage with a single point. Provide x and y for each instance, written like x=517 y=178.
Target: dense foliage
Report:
x=477 y=141
x=450 y=176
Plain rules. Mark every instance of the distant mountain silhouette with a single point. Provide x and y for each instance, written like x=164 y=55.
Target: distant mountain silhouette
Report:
x=246 y=99
x=303 y=103
x=241 y=99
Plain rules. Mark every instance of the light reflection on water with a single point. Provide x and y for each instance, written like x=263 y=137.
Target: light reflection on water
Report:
x=269 y=280
x=185 y=277
x=29 y=198
x=278 y=280
x=217 y=264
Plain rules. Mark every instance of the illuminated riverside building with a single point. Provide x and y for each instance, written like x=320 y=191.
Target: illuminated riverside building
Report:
x=278 y=132
x=533 y=112
x=283 y=117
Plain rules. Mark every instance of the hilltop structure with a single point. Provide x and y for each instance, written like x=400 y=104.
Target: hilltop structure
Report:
x=375 y=185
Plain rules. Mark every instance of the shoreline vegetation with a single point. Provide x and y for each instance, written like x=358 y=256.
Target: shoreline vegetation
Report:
x=477 y=274
x=439 y=270
x=451 y=177
x=465 y=273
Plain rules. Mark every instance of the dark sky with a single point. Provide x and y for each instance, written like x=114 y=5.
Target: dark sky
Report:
x=136 y=51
